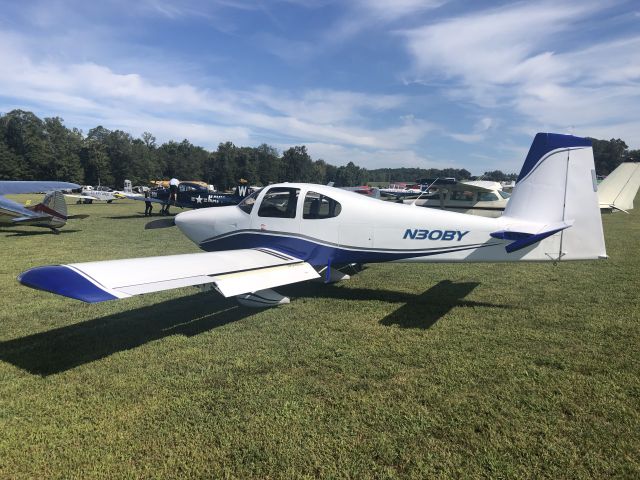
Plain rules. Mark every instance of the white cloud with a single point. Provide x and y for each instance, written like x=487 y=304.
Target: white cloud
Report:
x=386 y=10
x=369 y=158
x=515 y=58
x=131 y=101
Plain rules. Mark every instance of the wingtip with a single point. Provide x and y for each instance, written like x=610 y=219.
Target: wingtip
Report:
x=62 y=280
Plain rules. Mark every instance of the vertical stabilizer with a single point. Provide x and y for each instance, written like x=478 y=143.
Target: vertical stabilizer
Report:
x=557 y=188
x=54 y=205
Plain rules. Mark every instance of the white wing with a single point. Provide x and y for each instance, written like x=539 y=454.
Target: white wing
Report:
x=77 y=195
x=233 y=272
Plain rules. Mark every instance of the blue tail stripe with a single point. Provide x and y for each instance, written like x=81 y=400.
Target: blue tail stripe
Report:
x=63 y=280
x=544 y=143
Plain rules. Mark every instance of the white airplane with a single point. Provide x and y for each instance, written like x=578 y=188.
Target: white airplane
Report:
x=103 y=194
x=477 y=197
x=399 y=192
x=488 y=199
x=293 y=232
x=617 y=191
x=50 y=213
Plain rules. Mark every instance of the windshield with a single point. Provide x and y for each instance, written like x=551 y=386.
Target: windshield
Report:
x=504 y=194
x=247 y=204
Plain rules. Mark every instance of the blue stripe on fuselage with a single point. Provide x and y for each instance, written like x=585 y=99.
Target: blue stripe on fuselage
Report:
x=318 y=254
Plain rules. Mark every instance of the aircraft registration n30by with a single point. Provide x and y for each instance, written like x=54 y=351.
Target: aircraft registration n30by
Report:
x=293 y=232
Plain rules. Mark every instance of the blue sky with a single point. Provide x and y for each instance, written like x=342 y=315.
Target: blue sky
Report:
x=428 y=83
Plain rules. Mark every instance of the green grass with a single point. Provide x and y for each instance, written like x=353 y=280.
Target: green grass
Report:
x=404 y=371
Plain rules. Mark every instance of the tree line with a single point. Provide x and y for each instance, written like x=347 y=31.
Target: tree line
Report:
x=32 y=148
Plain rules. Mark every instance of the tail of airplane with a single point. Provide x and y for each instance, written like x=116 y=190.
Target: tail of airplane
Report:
x=617 y=191
x=556 y=192
x=53 y=204
x=242 y=190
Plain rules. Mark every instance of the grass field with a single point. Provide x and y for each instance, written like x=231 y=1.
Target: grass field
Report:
x=404 y=371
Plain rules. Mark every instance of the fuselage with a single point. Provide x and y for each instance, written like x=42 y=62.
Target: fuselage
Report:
x=195 y=195
x=325 y=225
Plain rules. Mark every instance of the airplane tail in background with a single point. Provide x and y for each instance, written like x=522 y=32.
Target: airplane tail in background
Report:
x=242 y=190
x=556 y=192
x=617 y=191
x=53 y=204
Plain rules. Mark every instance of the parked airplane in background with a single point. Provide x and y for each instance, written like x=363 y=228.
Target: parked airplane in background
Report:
x=51 y=213
x=477 y=197
x=400 y=192
x=363 y=190
x=617 y=191
x=102 y=194
x=488 y=199
x=193 y=195
x=292 y=232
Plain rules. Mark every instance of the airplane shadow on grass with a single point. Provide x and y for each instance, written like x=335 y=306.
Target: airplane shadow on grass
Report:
x=419 y=311
x=28 y=233
x=67 y=347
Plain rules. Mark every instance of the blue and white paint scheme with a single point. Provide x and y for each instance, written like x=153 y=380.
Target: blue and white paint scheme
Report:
x=292 y=232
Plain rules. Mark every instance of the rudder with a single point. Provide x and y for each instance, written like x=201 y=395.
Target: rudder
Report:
x=53 y=204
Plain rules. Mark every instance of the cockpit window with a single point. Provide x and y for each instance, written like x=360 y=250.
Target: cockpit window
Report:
x=504 y=194
x=462 y=195
x=247 y=204
x=187 y=188
x=487 y=197
x=279 y=202
x=317 y=206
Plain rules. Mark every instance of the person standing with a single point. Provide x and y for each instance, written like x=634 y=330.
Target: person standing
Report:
x=173 y=190
x=148 y=208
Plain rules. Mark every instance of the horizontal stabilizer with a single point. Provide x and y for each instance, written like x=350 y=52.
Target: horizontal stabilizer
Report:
x=522 y=239
x=233 y=272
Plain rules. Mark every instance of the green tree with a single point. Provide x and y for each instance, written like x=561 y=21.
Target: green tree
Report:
x=269 y=164
x=608 y=154
x=95 y=159
x=64 y=146
x=297 y=164
x=24 y=135
x=11 y=165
